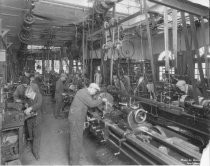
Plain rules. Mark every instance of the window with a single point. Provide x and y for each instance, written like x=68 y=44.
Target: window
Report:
x=162 y=71
x=202 y=52
x=56 y=66
x=38 y=64
x=77 y=65
x=197 y=74
x=162 y=68
x=48 y=65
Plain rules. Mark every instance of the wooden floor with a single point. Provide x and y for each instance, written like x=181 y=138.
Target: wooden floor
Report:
x=54 y=141
x=54 y=144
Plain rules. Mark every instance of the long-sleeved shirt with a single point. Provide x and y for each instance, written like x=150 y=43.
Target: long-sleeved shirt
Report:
x=60 y=87
x=82 y=101
x=24 y=80
x=36 y=105
x=19 y=92
x=38 y=81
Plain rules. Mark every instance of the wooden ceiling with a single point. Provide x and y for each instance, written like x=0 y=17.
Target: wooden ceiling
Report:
x=49 y=16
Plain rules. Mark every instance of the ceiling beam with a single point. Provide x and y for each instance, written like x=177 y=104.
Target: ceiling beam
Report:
x=120 y=22
x=185 y=6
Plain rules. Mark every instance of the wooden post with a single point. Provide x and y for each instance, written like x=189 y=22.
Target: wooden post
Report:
x=83 y=49
x=206 y=50
x=0 y=32
x=53 y=68
x=70 y=58
x=150 y=45
x=60 y=61
x=91 y=56
x=1 y=91
x=174 y=17
x=167 y=67
x=112 y=56
x=43 y=64
x=4 y=47
x=194 y=36
x=190 y=58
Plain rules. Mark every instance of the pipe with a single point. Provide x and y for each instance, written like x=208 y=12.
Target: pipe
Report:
x=124 y=152
x=134 y=150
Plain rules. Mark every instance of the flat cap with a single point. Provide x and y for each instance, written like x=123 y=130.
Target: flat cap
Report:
x=95 y=86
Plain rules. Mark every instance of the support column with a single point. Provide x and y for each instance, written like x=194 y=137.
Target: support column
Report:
x=43 y=63
x=70 y=57
x=150 y=45
x=190 y=58
x=113 y=52
x=205 y=51
x=167 y=67
x=60 y=62
x=53 y=67
x=195 y=39
x=1 y=89
x=174 y=17
x=83 y=49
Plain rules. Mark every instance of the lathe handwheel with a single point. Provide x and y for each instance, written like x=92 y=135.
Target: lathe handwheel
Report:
x=140 y=115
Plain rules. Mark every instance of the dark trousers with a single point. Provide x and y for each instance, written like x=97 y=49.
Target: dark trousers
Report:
x=34 y=131
x=75 y=141
x=58 y=106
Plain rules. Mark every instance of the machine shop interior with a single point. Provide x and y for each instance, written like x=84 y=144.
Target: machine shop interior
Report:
x=105 y=82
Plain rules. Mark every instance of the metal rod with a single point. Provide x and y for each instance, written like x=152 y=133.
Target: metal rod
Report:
x=148 y=149
x=166 y=40
x=134 y=150
x=174 y=17
x=124 y=152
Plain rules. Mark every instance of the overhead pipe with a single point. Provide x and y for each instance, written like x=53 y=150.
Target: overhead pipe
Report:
x=102 y=6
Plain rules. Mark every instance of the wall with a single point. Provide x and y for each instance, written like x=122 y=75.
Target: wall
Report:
x=158 y=41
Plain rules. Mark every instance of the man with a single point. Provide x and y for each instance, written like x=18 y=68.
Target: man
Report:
x=187 y=89
x=78 y=111
x=37 y=80
x=33 y=113
x=60 y=87
x=26 y=78
x=19 y=93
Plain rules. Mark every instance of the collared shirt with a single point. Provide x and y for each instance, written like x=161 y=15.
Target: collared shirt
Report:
x=60 y=87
